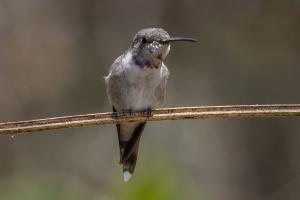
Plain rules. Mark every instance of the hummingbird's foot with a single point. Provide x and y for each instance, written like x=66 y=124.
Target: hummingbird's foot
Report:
x=148 y=112
x=128 y=111
x=114 y=114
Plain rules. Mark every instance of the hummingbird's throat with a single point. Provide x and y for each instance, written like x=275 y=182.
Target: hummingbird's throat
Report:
x=146 y=63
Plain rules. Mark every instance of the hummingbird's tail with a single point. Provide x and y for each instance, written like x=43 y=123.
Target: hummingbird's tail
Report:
x=129 y=150
x=129 y=165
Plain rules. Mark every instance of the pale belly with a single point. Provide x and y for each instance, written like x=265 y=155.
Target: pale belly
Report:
x=141 y=99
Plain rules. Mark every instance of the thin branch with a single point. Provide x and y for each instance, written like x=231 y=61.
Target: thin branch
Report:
x=203 y=112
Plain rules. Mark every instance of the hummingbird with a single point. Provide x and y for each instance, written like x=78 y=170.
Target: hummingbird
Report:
x=137 y=82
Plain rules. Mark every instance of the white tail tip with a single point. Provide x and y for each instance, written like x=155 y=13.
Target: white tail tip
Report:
x=126 y=176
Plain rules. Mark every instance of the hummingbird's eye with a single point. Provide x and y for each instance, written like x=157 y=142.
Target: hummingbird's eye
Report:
x=144 y=40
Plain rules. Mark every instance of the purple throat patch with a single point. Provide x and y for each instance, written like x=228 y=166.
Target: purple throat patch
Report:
x=145 y=63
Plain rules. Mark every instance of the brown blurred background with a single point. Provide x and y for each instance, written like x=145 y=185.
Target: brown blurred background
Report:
x=54 y=54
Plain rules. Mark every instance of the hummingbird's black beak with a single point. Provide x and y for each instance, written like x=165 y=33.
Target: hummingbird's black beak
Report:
x=176 y=39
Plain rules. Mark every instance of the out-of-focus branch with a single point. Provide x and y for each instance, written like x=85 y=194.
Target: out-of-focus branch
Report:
x=203 y=112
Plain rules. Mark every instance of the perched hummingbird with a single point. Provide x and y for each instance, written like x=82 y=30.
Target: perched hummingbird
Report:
x=137 y=82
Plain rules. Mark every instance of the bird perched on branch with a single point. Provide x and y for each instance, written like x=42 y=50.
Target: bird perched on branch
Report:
x=137 y=82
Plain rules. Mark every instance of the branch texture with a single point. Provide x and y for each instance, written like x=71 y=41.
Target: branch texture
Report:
x=203 y=112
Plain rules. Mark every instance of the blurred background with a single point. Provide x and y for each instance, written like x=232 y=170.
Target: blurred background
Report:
x=54 y=55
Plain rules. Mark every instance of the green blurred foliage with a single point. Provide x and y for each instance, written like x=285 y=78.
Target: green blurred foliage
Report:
x=160 y=181
x=156 y=180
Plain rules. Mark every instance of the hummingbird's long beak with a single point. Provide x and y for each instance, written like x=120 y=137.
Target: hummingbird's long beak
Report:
x=176 y=39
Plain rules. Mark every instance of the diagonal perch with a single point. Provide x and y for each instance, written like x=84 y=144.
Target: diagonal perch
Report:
x=202 y=112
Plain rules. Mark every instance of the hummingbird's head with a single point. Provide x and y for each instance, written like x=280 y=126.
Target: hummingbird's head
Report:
x=150 y=46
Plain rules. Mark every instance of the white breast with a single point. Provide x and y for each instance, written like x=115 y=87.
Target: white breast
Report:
x=143 y=83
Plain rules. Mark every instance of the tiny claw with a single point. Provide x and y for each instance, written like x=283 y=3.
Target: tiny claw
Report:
x=148 y=112
x=115 y=114
x=127 y=111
